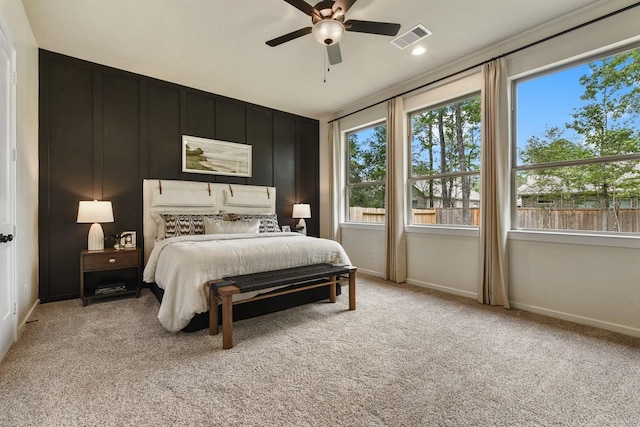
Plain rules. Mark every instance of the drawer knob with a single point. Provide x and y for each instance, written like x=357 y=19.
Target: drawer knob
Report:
x=112 y=260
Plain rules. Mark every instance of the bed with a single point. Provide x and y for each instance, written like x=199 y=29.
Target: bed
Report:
x=195 y=232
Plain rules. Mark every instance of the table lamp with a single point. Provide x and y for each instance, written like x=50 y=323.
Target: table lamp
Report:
x=302 y=211
x=95 y=212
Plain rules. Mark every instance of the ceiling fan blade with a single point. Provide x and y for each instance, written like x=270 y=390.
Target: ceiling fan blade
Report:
x=333 y=51
x=345 y=5
x=303 y=6
x=382 y=28
x=288 y=37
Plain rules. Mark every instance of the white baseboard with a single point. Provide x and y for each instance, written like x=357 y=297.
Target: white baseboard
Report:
x=446 y=289
x=23 y=323
x=371 y=273
x=614 y=327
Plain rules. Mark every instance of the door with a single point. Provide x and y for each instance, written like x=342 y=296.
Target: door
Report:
x=8 y=324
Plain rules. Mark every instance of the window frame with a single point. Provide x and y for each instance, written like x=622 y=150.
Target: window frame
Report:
x=595 y=237
x=412 y=179
x=348 y=184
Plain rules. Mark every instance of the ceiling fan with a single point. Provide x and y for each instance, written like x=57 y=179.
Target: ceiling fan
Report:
x=329 y=26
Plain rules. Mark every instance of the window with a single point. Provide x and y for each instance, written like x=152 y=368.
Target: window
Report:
x=367 y=173
x=577 y=163
x=445 y=164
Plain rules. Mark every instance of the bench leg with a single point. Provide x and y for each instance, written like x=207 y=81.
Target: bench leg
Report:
x=352 y=289
x=213 y=312
x=332 y=289
x=227 y=322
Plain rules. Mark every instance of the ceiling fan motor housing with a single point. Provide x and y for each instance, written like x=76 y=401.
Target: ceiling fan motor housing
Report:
x=325 y=9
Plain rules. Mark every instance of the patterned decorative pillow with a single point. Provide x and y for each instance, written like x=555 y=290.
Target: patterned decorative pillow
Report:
x=268 y=223
x=172 y=225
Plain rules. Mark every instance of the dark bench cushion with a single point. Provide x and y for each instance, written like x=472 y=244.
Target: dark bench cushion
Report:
x=270 y=279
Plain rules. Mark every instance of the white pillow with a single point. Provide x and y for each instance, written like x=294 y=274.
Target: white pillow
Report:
x=228 y=227
x=159 y=224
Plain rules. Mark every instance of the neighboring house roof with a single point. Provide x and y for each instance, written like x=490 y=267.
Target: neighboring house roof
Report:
x=536 y=185
x=552 y=184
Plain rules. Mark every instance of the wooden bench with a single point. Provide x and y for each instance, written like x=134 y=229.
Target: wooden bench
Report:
x=300 y=279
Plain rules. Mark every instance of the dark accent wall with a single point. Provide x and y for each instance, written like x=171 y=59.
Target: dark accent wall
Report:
x=103 y=130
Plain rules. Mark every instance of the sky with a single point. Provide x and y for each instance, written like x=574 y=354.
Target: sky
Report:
x=548 y=101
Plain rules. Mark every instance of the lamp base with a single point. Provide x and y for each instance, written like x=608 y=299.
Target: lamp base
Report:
x=95 y=241
x=301 y=227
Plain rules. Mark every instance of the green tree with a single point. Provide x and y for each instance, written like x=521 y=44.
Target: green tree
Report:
x=444 y=140
x=368 y=163
x=606 y=125
x=606 y=121
x=560 y=184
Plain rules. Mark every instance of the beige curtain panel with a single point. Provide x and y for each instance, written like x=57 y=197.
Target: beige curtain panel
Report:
x=495 y=194
x=334 y=184
x=396 y=243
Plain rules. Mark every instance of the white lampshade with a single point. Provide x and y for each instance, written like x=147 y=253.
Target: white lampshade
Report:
x=95 y=212
x=301 y=210
x=328 y=31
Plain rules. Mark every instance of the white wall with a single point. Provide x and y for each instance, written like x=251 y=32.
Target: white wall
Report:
x=586 y=279
x=15 y=19
x=447 y=260
x=579 y=280
x=365 y=246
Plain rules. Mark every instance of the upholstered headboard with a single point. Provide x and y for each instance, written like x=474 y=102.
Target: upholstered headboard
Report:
x=193 y=197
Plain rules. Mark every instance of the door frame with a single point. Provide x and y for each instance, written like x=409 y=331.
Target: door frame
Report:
x=12 y=175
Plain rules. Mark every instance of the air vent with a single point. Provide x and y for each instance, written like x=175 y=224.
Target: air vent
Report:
x=412 y=36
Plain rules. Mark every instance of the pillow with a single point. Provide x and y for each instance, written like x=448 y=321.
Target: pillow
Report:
x=268 y=223
x=226 y=227
x=172 y=225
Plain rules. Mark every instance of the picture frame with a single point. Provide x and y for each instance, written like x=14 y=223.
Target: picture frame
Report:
x=286 y=228
x=210 y=156
x=128 y=239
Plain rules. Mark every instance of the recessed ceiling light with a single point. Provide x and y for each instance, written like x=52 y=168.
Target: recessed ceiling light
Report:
x=418 y=51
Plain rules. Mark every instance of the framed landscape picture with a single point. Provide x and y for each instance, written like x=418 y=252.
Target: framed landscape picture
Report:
x=202 y=155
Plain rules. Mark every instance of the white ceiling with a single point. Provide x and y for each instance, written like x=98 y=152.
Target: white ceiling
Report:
x=219 y=45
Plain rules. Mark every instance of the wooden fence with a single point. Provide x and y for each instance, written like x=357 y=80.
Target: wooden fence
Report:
x=625 y=220
x=452 y=216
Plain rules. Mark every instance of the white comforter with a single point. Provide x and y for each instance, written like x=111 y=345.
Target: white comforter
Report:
x=183 y=265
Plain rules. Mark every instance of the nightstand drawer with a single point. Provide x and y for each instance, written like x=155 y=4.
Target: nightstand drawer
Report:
x=109 y=273
x=105 y=261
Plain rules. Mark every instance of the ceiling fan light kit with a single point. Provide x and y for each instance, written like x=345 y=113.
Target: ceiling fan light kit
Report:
x=329 y=26
x=328 y=31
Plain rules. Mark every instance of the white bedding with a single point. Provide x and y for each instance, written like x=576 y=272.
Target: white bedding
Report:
x=183 y=265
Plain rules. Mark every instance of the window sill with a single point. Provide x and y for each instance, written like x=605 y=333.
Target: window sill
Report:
x=443 y=230
x=623 y=240
x=377 y=226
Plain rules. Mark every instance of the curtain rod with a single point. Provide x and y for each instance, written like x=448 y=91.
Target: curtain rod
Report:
x=511 y=52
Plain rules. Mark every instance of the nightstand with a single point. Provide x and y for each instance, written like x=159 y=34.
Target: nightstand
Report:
x=109 y=272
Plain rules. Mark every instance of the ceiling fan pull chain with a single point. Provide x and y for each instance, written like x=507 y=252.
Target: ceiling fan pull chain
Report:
x=325 y=68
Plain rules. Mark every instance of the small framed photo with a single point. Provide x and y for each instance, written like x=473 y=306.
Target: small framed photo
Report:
x=286 y=228
x=128 y=239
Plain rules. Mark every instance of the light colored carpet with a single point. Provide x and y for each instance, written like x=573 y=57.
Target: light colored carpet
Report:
x=406 y=357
